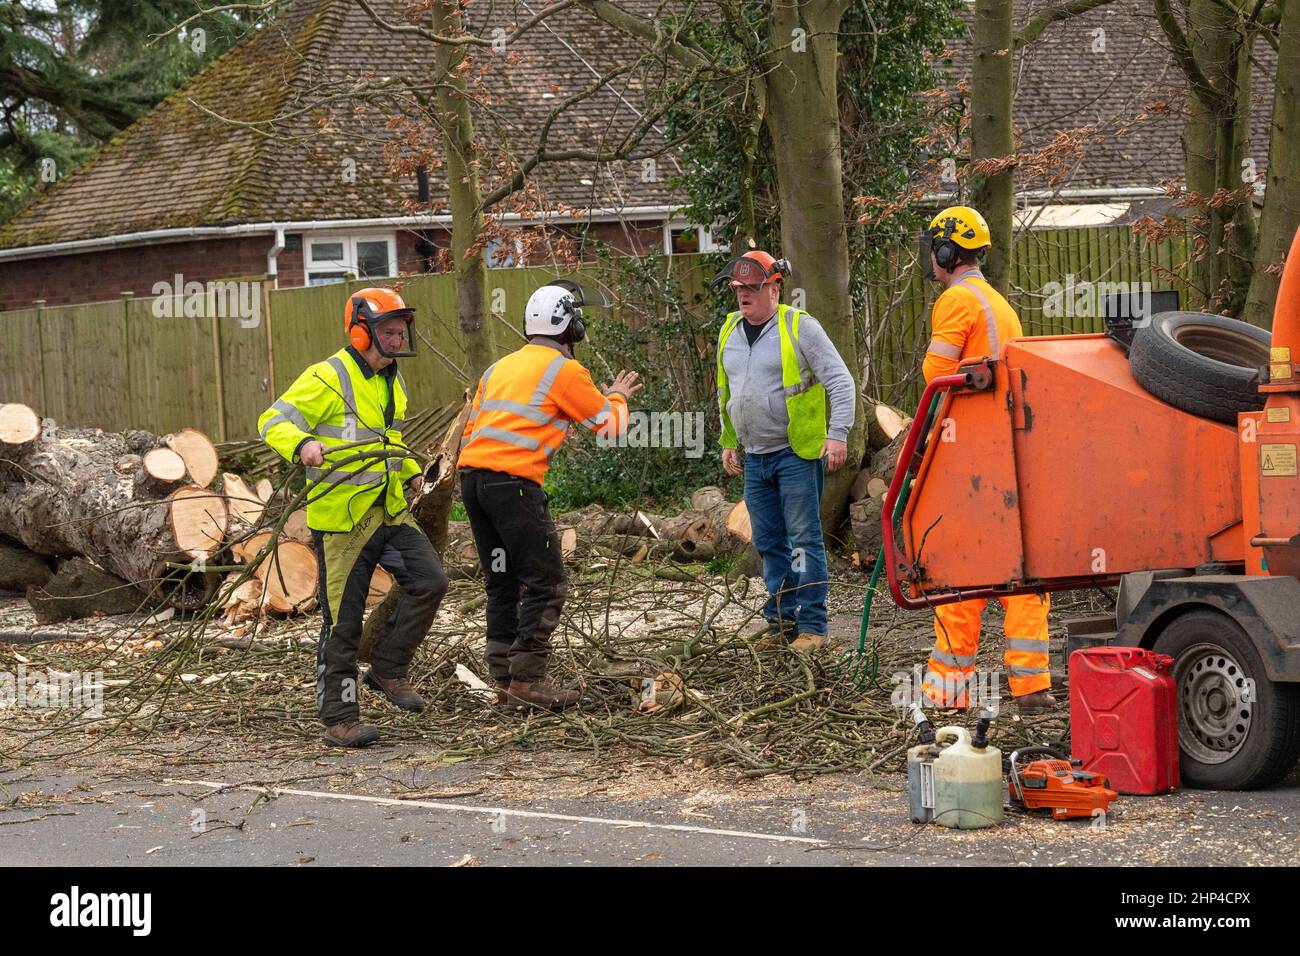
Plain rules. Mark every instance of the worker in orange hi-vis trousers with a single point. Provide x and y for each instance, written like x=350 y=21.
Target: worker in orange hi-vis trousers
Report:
x=971 y=319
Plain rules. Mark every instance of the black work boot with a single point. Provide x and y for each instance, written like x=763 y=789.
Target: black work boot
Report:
x=1033 y=703
x=398 y=690
x=541 y=693
x=351 y=733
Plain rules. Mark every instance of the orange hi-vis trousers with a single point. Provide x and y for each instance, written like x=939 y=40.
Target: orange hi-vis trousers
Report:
x=957 y=640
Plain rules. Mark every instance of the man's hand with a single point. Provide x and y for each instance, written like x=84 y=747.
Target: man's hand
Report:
x=416 y=484
x=834 y=451
x=626 y=384
x=312 y=454
x=731 y=462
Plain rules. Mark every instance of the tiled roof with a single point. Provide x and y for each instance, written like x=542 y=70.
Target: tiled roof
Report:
x=181 y=166
x=1108 y=67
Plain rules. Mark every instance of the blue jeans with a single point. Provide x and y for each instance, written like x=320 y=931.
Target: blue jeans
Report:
x=783 y=493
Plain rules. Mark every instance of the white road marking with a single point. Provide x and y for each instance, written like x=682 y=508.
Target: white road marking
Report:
x=503 y=811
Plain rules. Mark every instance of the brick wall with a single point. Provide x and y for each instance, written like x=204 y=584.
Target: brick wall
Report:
x=100 y=275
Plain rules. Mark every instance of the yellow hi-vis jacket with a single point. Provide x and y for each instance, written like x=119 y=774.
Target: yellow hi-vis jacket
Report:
x=523 y=408
x=336 y=402
x=970 y=319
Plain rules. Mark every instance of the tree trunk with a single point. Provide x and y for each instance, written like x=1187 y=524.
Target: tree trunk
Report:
x=804 y=125
x=81 y=590
x=1281 y=217
x=63 y=496
x=991 y=135
x=20 y=569
x=462 y=170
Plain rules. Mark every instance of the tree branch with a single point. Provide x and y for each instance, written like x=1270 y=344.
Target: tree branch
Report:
x=1186 y=59
x=1037 y=24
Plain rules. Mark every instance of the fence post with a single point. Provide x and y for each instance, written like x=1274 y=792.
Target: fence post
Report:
x=39 y=305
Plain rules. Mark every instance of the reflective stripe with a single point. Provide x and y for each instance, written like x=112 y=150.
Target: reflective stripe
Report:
x=547 y=380
x=323 y=476
x=944 y=349
x=349 y=397
x=953 y=660
x=355 y=434
x=398 y=424
x=510 y=438
x=600 y=417
x=394 y=464
x=288 y=413
x=560 y=424
x=402 y=382
x=1029 y=645
x=270 y=422
x=989 y=322
x=1013 y=671
x=532 y=413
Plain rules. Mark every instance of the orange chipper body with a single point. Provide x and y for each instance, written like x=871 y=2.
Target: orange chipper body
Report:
x=1049 y=468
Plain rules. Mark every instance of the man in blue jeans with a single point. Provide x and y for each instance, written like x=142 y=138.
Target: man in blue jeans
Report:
x=776 y=369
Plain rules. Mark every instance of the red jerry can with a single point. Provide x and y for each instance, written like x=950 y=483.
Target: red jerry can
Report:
x=1124 y=717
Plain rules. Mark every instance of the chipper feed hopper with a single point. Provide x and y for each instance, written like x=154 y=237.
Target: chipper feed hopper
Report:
x=1161 y=458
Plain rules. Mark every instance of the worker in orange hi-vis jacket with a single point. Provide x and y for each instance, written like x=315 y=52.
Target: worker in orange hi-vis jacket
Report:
x=522 y=410
x=971 y=319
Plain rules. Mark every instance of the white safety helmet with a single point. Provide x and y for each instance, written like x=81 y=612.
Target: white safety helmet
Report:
x=550 y=311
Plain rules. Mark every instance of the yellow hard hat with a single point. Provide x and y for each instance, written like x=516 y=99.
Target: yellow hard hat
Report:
x=963 y=225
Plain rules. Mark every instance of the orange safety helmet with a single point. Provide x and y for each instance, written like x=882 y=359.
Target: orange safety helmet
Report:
x=366 y=309
x=755 y=269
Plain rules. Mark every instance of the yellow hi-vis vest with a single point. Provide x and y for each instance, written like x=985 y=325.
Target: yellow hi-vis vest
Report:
x=805 y=398
x=336 y=403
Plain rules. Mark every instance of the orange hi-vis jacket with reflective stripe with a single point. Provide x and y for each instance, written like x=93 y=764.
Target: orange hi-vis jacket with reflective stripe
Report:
x=971 y=319
x=523 y=408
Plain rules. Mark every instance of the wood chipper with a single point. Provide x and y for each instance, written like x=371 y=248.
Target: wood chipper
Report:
x=1160 y=457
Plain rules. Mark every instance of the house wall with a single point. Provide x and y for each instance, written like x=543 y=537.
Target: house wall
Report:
x=100 y=275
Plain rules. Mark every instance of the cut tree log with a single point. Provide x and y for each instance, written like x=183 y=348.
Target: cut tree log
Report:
x=20 y=569
x=738 y=525
x=265 y=489
x=381 y=582
x=63 y=495
x=199 y=453
x=864 y=520
x=18 y=424
x=161 y=464
x=884 y=423
x=295 y=527
x=80 y=589
x=245 y=507
x=198 y=520
x=288 y=577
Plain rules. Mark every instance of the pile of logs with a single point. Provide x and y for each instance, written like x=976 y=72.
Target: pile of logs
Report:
x=886 y=431
x=96 y=522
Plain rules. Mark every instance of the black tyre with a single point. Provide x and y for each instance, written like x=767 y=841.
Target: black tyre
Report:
x=1229 y=738
x=1204 y=364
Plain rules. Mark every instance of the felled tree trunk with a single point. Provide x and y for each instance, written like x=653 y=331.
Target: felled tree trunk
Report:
x=63 y=494
x=80 y=590
x=20 y=569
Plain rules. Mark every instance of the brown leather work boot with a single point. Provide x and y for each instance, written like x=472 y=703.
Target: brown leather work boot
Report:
x=541 y=693
x=1033 y=703
x=807 y=642
x=503 y=691
x=351 y=733
x=398 y=690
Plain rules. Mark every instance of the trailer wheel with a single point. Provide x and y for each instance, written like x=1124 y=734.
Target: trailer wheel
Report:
x=1204 y=364
x=1237 y=730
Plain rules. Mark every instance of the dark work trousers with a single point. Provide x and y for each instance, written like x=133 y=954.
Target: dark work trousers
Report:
x=347 y=560
x=520 y=554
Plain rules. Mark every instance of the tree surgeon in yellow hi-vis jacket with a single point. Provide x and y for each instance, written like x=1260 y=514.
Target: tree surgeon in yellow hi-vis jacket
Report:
x=971 y=319
x=351 y=403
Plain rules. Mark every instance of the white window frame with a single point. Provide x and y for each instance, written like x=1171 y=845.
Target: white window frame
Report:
x=706 y=236
x=348 y=264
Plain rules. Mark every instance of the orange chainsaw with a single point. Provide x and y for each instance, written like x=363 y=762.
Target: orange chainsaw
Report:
x=1057 y=784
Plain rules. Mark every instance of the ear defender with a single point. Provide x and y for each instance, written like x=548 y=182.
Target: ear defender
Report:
x=358 y=330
